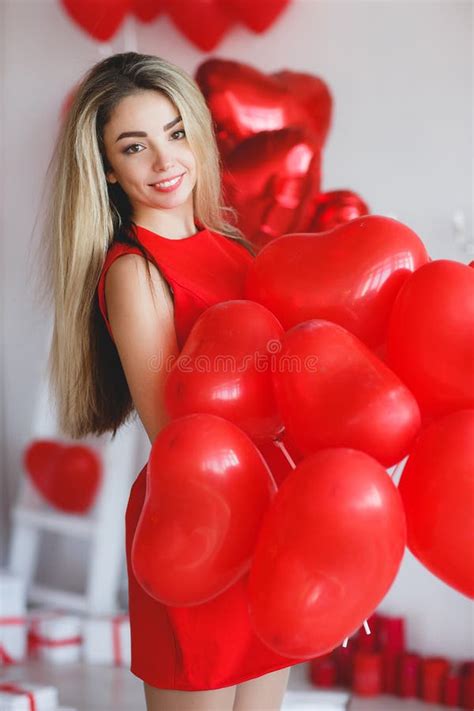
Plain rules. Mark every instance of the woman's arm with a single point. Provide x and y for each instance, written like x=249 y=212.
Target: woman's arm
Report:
x=142 y=322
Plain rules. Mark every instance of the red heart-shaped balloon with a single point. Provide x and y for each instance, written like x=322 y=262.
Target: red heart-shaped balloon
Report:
x=224 y=368
x=328 y=551
x=99 y=18
x=271 y=180
x=332 y=391
x=147 y=10
x=67 y=477
x=437 y=489
x=244 y=101
x=431 y=337
x=207 y=490
x=39 y=460
x=203 y=23
x=258 y=16
x=349 y=275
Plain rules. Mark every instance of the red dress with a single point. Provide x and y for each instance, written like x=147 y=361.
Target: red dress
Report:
x=211 y=645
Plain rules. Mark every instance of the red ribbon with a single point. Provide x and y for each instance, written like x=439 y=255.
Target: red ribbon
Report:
x=13 y=620
x=117 y=647
x=17 y=689
x=35 y=640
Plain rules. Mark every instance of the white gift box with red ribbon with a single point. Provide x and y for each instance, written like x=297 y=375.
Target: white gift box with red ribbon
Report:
x=13 y=620
x=27 y=696
x=55 y=636
x=106 y=639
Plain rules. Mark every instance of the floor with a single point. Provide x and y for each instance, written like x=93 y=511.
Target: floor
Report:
x=100 y=688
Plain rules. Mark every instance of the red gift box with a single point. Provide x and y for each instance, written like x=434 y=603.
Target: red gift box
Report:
x=323 y=671
x=433 y=673
x=451 y=692
x=408 y=677
x=391 y=633
x=367 y=674
x=467 y=685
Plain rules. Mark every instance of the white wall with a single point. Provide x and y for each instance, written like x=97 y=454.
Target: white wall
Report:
x=401 y=76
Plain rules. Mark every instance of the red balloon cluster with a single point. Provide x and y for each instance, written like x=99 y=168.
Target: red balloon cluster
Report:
x=323 y=549
x=271 y=130
x=370 y=286
x=203 y=23
x=67 y=476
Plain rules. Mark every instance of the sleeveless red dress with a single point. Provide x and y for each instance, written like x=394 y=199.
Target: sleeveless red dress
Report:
x=211 y=645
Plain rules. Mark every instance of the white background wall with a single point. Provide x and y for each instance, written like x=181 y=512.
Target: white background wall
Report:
x=401 y=76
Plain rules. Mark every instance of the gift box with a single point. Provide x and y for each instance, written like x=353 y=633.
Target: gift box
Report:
x=55 y=636
x=26 y=696
x=13 y=619
x=107 y=639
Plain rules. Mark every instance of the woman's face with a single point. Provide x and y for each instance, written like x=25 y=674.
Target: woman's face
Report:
x=155 y=152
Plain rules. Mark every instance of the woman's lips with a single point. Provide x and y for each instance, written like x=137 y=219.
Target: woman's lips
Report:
x=169 y=188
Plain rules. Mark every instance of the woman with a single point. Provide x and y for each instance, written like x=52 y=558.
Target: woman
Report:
x=137 y=246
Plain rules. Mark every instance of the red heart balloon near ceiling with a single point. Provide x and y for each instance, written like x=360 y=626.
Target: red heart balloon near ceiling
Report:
x=98 y=18
x=349 y=275
x=244 y=101
x=203 y=23
x=67 y=477
x=147 y=10
x=258 y=16
x=270 y=179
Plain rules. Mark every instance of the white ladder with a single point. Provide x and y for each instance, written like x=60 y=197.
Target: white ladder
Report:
x=102 y=526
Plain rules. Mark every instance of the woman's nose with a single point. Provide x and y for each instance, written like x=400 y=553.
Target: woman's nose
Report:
x=162 y=160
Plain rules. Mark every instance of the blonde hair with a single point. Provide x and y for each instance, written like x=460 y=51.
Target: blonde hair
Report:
x=85 y=214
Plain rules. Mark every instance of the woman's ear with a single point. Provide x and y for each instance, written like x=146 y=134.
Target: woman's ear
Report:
x=111 y=177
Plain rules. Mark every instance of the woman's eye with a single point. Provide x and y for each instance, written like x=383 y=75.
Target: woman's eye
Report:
x=127 y=150
x=181 y=130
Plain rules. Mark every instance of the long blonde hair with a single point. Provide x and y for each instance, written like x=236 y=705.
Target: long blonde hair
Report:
x=85 y=214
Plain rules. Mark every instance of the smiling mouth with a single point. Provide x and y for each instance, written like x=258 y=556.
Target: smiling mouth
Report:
x=167 y=183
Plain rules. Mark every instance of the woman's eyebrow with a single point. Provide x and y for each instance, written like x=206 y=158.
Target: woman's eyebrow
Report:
x=142 y=134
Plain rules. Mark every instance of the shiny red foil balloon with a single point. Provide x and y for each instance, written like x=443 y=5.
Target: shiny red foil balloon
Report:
x=271 y=180
x=328 y=552
x=349 y=275
x=67 y=476
x=430 y=341
x=335 y=208
x=332 y=391
x=437 y=489
x=208 y=488
x=244 y=101
x=224 y=368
